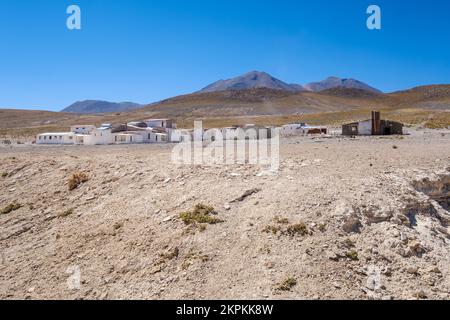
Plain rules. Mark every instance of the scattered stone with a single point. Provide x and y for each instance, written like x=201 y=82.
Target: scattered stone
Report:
x=416 y=249
x=247 y=194
x=377 y=215
x=412 y=270
x=332 y=256
x=352 y=225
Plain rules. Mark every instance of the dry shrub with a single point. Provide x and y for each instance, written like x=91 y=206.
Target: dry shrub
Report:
x=299 y=228
x=200 y=214
x=287 y=284
x=10 y=208
x=66 y=213
x=77 y=179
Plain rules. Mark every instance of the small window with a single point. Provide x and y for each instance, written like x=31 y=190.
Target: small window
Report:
x=50 y=138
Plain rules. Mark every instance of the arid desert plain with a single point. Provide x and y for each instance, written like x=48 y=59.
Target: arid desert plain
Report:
x=342 y=218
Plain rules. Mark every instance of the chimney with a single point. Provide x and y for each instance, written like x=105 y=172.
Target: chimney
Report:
x=376 y=123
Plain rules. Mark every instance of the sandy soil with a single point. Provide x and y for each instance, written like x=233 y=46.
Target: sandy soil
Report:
x=342 y=219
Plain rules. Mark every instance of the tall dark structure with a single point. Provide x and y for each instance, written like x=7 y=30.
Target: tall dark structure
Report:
x=376 y=123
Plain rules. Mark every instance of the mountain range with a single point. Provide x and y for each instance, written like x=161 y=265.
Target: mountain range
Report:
x=248 y=81
x=256 y=79
x=98 y=106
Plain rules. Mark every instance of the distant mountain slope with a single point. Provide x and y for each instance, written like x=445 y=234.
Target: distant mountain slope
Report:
x=419 y=105
x=257 y=101
x=426 y=97
x=252 y=80
x=334 y=82
x=350 y=93
x=97 y=106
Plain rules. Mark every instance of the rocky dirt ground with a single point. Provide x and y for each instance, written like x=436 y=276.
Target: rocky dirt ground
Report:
x=363 y=218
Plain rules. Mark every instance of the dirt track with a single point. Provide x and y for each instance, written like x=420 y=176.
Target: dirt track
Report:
x=359 y=199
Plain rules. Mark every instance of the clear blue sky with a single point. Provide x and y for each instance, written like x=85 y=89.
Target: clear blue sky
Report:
x=147 y=50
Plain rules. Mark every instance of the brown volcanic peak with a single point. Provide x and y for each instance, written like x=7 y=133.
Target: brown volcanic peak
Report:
x=249 y=95
x=252 y=80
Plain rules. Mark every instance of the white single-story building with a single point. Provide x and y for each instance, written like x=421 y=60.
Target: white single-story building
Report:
x=56 y=138
x=291 y=129
x=128 y=137
x=297 y=129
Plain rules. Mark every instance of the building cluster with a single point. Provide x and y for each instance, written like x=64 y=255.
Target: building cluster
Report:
x=147 y=131
x=165 y=131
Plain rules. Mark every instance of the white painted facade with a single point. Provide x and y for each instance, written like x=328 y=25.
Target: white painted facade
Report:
x=56 y=138
x=128 y=138
x=292 y=129
x=100 y=136
x=299 y=129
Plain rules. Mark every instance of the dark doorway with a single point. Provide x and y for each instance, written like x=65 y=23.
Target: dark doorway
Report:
x=387 y=131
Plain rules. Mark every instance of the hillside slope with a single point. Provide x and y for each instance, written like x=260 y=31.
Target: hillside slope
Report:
x=332 y=106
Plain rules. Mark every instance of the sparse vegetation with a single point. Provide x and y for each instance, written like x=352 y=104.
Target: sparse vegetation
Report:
x=172 y=254
x=322 y=227
x=297 y=229
x=167 y=256
x=287 y=284
x=66 y=213
x=349 y=243
x=4 y=174
x=271 y=229
x=193 y=256
x=352 y=255
x=201 y=214
x=10 y=208
x=77 y=179
x=284 y=228
x=281 y=220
